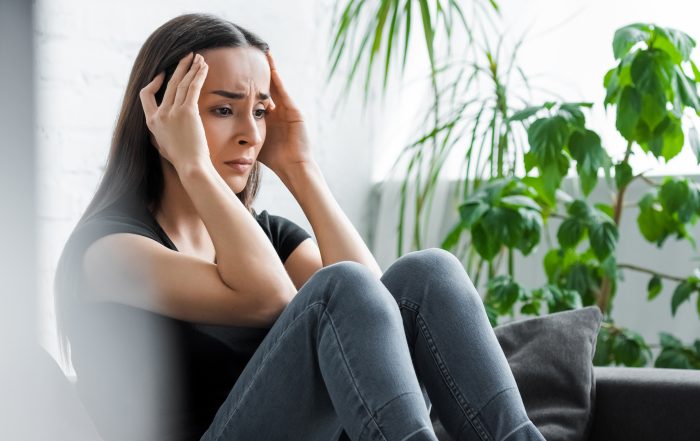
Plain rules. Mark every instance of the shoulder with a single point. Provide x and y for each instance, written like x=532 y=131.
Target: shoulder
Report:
x=277 y=224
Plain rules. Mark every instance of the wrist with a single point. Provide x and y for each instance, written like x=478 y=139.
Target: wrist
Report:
x=294 y=174
x=194 y=168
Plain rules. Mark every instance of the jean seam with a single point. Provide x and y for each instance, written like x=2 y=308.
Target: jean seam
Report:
x=394 y=399
x=262 y=364
x=520 y=426
x=468 y=411
x=495 y=396
x=354 y=383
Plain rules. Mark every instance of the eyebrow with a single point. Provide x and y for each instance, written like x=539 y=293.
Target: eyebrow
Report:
x=238 y=95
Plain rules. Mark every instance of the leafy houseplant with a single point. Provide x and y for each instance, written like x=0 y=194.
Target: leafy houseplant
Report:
x=653 y=89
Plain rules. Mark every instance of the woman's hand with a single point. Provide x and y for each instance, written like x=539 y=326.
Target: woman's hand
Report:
x=176 y=127
x=286 y=143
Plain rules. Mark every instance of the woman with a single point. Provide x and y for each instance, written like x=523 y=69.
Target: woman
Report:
x=192 y=316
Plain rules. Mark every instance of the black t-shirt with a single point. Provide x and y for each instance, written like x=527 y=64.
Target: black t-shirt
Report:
x=143 y=375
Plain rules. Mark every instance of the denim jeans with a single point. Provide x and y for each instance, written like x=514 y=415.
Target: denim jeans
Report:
x=353 y=353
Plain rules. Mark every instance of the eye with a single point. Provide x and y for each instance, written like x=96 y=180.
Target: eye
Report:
x=260 y=113
x=223 y=108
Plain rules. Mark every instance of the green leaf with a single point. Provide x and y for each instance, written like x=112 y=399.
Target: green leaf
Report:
x=570 y=232
x=492 y=314
x=471 y=211
x=654 y=287
x=453 y=237
x=579 y=279
x=603 y=238
x=611 y=82
x=606 y=209
x=676 y=44
x=652 y=71
x=531 y=231
x=654 y=223
x=572 y=113
x=547 y=137
x=694 y=142
x=681 y=294
x=653 y=108
x=579 y=209
x=603 y=348
x=628 y=36
x=525 y=113
x=673 y=194
x=503 y=292
x=626 y=350
x=552 y=264
x=485 y=243
x=586 y=149
x=532 y=308
x=551 y=176
x=687 y=89
x=673 y=359
x=518 y=201
x=628 y=112
x=668 y=341
x=673 y=139
x=623 y=174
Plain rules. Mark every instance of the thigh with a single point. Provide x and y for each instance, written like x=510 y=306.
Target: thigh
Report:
x=281 y=395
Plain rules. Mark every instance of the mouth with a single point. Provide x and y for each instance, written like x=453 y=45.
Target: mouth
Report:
x=239 y=167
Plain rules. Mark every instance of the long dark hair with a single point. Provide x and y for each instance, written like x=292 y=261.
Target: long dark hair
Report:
x=133 y=168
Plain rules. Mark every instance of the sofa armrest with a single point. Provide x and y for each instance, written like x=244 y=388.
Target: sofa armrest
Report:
x=646 y=404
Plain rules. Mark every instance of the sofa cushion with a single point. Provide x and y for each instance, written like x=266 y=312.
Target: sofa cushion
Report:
x=551 y=359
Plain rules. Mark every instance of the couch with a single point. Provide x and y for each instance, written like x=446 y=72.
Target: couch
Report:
x=639 y=404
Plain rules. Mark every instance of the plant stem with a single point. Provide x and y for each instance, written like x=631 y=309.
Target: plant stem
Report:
x=511 y=263
x=649 y=271
x=606 y=283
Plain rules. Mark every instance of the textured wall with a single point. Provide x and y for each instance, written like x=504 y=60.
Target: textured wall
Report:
x=84 y=54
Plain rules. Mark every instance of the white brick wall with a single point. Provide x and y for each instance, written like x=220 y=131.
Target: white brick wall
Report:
x=84 y=53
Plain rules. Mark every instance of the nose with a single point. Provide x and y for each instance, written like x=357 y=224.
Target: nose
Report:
x=248 y=133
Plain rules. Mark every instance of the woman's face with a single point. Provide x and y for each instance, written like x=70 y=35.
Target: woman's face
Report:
x=232 y=105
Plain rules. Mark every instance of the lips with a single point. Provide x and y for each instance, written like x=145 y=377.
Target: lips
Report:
x=239 y=166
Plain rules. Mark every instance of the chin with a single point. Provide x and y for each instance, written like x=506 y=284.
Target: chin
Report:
x=236 y=183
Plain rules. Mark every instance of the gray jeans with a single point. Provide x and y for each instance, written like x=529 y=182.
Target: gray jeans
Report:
x=368 y=357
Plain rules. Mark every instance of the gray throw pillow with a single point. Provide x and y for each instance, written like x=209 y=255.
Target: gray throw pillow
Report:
x=552 y=361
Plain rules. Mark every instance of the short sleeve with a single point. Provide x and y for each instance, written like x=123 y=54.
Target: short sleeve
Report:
x=284 y=233
x=96 y=228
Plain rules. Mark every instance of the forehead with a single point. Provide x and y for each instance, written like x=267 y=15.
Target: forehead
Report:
x=235 y=69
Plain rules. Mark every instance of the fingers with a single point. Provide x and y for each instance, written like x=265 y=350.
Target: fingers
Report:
x=275 y=80
x=184 y=86
x=180 y=71
x=147 y=94
x=195 y=86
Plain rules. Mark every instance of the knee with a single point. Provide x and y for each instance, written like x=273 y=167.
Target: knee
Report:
x=351 y=284
x=434 y=267
x=430 y=263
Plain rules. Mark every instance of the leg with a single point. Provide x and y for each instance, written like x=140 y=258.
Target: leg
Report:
x=336 y=356
x=455 y=351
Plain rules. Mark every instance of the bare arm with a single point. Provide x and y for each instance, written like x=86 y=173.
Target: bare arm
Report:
x=287 y=153
x=246 y=259
x=337 y=237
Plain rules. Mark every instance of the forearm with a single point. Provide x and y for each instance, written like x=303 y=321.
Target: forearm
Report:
x=246 y=259
x=337 y=238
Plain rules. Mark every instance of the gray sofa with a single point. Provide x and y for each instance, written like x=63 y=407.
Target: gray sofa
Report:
x=639 y=404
